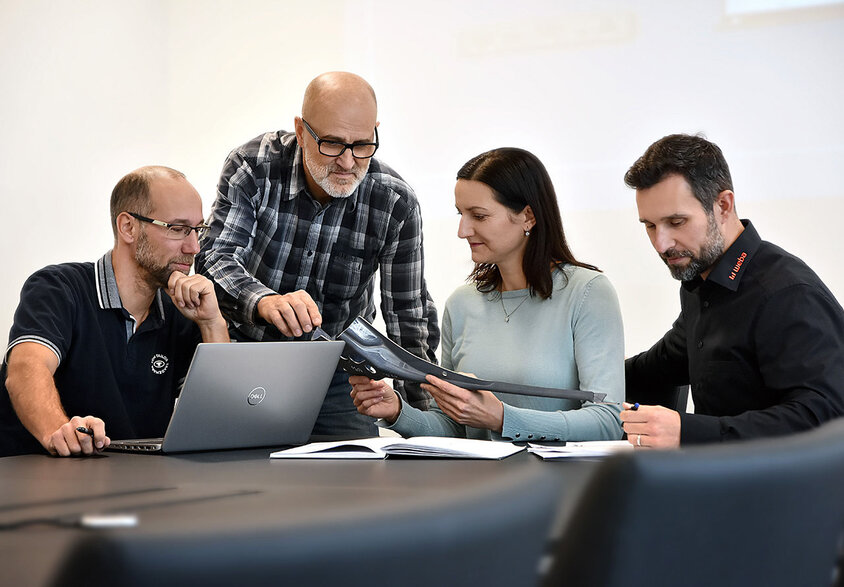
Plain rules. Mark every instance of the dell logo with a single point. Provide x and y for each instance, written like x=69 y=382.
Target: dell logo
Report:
x=256 y=396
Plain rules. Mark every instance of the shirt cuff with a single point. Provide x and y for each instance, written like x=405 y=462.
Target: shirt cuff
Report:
x=698 y=428
x=523 y=425
x=250 y=297
x=407 y=423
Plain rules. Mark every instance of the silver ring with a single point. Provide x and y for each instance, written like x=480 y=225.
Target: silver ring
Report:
x=639 y=440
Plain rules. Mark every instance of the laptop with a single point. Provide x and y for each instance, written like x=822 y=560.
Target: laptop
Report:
x=247 y=395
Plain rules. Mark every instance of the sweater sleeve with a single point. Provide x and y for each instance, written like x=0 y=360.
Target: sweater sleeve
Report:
x=599 y=356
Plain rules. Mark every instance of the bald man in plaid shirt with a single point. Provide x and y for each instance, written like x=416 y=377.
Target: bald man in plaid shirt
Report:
x=301 y=223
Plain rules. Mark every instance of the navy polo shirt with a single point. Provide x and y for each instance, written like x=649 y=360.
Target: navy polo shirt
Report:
x=128 y=378
x=761 y=341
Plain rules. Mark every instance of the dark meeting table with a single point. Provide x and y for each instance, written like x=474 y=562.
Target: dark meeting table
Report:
x=48 y=505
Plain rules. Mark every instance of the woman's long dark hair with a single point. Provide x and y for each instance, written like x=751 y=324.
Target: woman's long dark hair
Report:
x=518 y=179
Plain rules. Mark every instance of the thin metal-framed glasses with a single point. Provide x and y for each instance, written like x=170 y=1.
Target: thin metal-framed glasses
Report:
x=175 y=231
x=335 y=148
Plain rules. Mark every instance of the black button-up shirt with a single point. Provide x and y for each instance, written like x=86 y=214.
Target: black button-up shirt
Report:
x=761 y=341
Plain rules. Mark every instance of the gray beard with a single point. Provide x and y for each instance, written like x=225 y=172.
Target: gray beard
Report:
x=325 y=183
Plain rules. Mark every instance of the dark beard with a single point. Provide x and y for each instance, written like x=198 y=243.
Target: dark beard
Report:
x=710 y=252
x=156 y=275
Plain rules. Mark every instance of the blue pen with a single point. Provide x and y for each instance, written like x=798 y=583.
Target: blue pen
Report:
x=90 y=432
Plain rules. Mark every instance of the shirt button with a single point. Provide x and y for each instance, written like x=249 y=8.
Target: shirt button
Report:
x=310 y=253
x=705 y=304
x=700 y=344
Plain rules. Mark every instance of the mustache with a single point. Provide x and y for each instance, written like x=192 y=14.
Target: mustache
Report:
x=182 y=260
x=334 y=168
x=673 y=253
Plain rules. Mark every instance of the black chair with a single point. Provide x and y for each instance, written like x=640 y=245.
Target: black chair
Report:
x=766 y=512
x=680 y=399
x=491 y=534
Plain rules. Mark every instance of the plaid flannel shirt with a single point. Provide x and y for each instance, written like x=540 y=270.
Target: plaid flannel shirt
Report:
x=268 y=235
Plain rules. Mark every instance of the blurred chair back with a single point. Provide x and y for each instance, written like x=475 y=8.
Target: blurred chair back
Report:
x=493 y=534
x=764 y=512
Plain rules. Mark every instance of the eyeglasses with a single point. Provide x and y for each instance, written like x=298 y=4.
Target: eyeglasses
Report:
x=335 y=149
x=176 y=232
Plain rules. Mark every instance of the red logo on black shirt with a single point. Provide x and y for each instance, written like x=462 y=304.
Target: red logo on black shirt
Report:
x=738 y=264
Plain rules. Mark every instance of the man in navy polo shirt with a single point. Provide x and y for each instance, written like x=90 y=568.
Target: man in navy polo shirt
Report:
x=760 y=338
x=106 y=344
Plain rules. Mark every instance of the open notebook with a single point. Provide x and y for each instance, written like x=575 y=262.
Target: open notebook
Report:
x=418 y=446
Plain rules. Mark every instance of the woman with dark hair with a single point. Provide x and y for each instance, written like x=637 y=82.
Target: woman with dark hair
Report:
x=533 y=314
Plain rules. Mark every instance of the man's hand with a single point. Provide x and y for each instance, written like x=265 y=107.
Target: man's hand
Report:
x=479 y=409
x=67 y=440
x=194 y=296
x=292 y=313
x=375 y=398
x=32 y=391
x=651 y=426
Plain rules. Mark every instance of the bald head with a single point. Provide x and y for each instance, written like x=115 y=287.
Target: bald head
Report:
x=339 y=107
x=338 y=88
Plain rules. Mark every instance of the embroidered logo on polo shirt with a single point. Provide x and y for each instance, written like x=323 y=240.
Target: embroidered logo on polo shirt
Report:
x=159 y=364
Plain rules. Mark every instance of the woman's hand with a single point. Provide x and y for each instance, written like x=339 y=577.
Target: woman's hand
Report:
x=375 y=398
x=479 y=409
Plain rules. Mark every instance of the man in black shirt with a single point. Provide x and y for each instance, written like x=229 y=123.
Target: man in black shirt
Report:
x=106 y=343
x=760 y=338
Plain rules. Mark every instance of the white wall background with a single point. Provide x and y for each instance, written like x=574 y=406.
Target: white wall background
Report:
x=95 y=88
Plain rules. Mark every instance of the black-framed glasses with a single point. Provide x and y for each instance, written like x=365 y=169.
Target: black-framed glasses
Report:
x=176 y=232
x=335 y=148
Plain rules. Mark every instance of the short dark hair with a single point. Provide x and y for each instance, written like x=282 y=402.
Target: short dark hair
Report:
x=700 y=162
x=517 y=179
x=131 y=194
